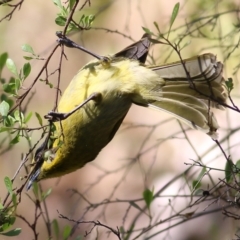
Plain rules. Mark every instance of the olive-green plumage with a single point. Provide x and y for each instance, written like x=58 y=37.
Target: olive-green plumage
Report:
x=118 y=83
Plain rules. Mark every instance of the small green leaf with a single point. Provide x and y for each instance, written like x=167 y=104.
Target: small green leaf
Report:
x=14 y=199
x=9 y=87
x=3 y=59
x=58 y=3
x=196 y=184
x=229 y=84
x=56 y=228
x=12 y=233
x=60 y=21
x=174 y=15
x=157 y=27
x=229 y=170
x=35 y=189
x=135 y=205
x=71 y=3
x=148 y=197
x=18 y=116
x=8 y=184
x=46 y=194
x=237 y=165
x=15 y=140
x=28 y=58
x=26 y=70
x=146 y=30
x=27 y=48
x=4 y=108
x=28 y=117
x=66 y=232
x=12 y=67
x=39 y=118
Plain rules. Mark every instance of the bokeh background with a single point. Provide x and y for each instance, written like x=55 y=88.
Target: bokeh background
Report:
x=150 y=148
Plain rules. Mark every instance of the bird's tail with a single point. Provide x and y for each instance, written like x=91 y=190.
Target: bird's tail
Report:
x=191 y=89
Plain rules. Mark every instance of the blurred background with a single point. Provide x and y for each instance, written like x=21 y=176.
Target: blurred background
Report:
x=150 y=149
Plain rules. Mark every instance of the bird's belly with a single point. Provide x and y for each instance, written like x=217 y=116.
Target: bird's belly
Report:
x=86 y=132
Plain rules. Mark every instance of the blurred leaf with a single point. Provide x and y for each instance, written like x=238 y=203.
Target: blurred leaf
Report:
x=28 y=58
x=27 y=48
x=66 y=232
x=58 y=3
x=71 y=3
x=28 y=117
x=26 y=70
x=4 y=108
x=8 y=184
x=148 y=197
x=174 y=15
x=146 y=30
x=56 y=228
x=135 y=205
x=12 y=233
x=39 y=118
x=3 y=59
x=35 y=189
x=228 y=170
x=229 y=84
x=11 y=66
x=15 y=140
x=60 y=21
x=196 y=184
x=46 y=194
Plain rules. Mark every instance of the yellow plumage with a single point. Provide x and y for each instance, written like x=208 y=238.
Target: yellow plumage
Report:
x=118 y=83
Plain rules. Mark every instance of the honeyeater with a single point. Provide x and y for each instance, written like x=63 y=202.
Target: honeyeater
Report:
x=100 y=95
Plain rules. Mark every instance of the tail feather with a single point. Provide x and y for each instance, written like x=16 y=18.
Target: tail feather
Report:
x=192 y=105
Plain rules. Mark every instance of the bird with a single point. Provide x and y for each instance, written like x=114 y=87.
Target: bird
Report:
x=95 y=103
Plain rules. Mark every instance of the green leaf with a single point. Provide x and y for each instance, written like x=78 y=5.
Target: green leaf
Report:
x=12 y=233
x=3 y=59
x=9 y=121
x=146 y=30
x=15 y=140
x=71 y=3
x=28 y=117
x=148 y=197
x=9 y=87
x=135 y=205
x=56 y=228
x=26 y=70
x=14 y=199
x=18 y=116
x=28 y=58
x=196 y=184
x=4 y=108
x=35 y=189
x=229 y=170
x=27 y=48
x=8 y=184
x=237 y=165
x=12 y=67
x=60 y=21
x=174 y=15
x=4 y=97
x=66 y=232
x=58 y=3
x=46 y=194
x=39 y=118
x=229 y=84
x=157 y=27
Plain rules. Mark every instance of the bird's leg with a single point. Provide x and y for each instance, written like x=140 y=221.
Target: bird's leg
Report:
x=69 y=43
x=55 y=116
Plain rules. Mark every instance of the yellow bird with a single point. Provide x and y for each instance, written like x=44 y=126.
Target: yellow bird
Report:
x=98 y=98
